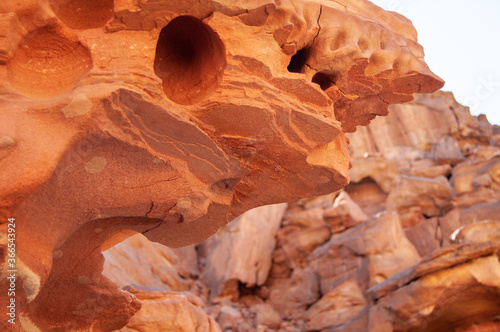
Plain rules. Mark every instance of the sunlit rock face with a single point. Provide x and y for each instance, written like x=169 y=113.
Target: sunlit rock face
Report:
x=401 y=251
x=171 y=118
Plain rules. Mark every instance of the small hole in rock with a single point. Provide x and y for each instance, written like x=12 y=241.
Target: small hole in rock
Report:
x=190 y=60
x=322 y=80
x=298 y=61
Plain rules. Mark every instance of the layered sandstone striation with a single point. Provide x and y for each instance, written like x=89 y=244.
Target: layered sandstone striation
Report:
x=361 y=259
x=171 y=118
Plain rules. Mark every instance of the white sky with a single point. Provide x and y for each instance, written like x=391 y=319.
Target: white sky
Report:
x=461 y=40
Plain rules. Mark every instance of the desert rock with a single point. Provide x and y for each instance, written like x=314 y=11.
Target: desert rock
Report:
x=166 y=311
x=362 y=259
x=171 y=119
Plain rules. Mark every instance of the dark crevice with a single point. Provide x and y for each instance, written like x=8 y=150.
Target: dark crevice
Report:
x=144 y=233
x=319 y=26
x=299 y=59
x=382 y=100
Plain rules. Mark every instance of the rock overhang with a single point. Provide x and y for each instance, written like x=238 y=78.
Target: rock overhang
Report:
x=171 y=119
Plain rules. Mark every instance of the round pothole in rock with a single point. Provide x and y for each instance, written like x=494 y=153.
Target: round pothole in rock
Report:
x=47 y=64
x=190 y=60
x=83 y=14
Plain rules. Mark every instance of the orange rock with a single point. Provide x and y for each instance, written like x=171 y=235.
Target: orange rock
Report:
x=354 y=255
x=229 y=317
x=379 y=169
x=427 y=169
x=337 y=306
x=457 y=218
x=344 y=213
x=267 y=316
x=161 y=267
x=455 y=287
x=430 y=195
x=387 y=271
x=292 y=297
x=172 y=118
x=298 y=244
x=368 y=195
x=168 y=311
x=234 y=255
x=442 y=116
x=485 y=231
x=473 y=175
x=447 y=151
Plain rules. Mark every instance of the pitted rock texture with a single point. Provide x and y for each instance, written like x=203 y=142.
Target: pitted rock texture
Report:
x=170 y=119
x=360 y=259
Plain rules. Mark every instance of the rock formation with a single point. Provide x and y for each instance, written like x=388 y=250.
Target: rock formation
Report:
x=419 y=256
x=171 y=118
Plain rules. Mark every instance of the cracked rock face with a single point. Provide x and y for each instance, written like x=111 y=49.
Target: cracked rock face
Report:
x=170 y=119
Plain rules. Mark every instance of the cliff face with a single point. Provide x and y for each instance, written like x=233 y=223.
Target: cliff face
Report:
x=411 y=244
x=171 y=118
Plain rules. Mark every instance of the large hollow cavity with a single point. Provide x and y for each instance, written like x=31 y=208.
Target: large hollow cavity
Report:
x=190 y=60
x=83 y=14
x=47 y=64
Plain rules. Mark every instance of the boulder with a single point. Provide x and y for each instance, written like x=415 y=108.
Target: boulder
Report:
x=473 y=175
x=169 y=311
x=447 y=151
x=442 y=116
x=242 y=251
x=429 y=195
x=354 y=255
x=337 y=306
x=344 y=213
x=455 y=287
x=160 y=267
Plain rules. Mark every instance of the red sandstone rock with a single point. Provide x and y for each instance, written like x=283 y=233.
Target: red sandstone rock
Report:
x=344 y=213
x=485 y=231
x=229 y=317
x=337 y=306
x=353 y=254
x=267 y=316
x=440 y=113
x=474 y=214
x=234 y=255
x=172 y=118
x=425 y=234
x=167 y=311
x=427 y=169
x=310 y=218
x=428 y=195
x=447 y=151
x=472 y=175
x=368 y=195
x=379 y=169
x=291 y=297
x=161 y=267
x=453 y=285
x=443 y=292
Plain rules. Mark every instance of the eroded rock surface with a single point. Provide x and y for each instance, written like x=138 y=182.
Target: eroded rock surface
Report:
x=172 y=118
x=364 y=259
